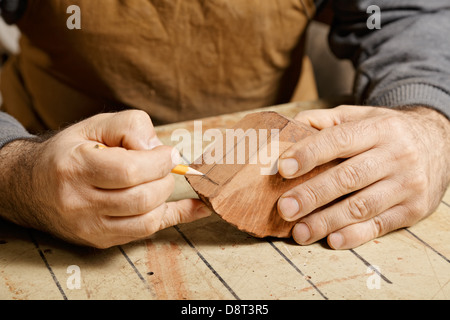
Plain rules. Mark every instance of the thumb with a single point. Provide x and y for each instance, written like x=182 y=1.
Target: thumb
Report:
x=131 y=129
x=326 y=118
x=319 y=119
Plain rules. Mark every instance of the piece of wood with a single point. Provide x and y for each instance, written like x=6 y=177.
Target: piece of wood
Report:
x=238 y=191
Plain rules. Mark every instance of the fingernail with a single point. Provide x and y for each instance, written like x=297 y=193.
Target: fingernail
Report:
x=154 y=142
x=176 y=157
x=335 y=240
x=301 y=233
x=288 y=167
x=288 y=207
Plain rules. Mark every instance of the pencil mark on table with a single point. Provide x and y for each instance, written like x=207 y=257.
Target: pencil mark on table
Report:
x=427 y=245
x=49 y=268
x=297 y=269
x=207 y=264
x=368 y=264
x=135 y=269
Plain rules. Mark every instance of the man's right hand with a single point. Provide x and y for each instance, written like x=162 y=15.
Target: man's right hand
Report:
x=90 y=196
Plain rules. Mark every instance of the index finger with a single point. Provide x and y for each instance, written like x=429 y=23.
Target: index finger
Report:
x=130 y=129
x=117 y=168
x=341 y=141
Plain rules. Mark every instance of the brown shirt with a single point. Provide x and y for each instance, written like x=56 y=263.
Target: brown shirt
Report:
x=177 y=60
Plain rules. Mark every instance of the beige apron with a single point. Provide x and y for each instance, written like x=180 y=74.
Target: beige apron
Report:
x=177 y=60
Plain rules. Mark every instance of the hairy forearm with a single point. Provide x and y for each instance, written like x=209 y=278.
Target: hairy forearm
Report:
x=17 y=203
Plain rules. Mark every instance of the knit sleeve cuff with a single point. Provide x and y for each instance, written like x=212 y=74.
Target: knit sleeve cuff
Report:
x=9 y=139
x=413 y=95
x=11 y=130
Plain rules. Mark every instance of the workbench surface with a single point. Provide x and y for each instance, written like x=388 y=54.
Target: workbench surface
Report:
x=210 y=259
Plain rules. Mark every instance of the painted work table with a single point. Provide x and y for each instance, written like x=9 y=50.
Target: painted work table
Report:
x=210 y=259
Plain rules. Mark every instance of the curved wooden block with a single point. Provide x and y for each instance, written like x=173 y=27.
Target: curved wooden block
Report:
x=239 y=193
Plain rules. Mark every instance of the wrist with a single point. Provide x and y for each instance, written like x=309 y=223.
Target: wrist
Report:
x=17 y=204
x=437 y=128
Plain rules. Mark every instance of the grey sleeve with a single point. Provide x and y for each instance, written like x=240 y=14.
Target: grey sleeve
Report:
x=407 y=61
x=11 y=129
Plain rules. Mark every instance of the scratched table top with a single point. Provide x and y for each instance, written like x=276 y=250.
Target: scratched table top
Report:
x=210 y=259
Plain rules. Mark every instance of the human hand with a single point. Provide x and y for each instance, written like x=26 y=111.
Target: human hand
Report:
x=97 y=197
x=395 y=172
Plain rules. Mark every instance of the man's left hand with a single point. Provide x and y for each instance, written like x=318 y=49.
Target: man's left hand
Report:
x=395 y=171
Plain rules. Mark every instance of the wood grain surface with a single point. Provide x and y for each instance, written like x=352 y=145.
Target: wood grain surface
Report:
x=243 y=193
x=212 y=260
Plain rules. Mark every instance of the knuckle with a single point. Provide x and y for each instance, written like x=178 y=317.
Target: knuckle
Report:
x=134 y=120
x=141 y=114
x=342 y=138
x=379 y=226
x=140 y=118
x=142 y=203
x=308 y=194
x=62 y=169
x=420 y=183
x=138 y=202
x=67 y=200
x=89 y=125
x=128 y=174
x=418 y=209
x=136 y=115
x=309 y=155
x=359 y=208
x=347 y=177
x=147 y=229
x=320 y=227
x=394 y=123
x=344 y=107
x=156 y=222
x=163 y=161
x=408 y=152
x=147 y=200
x=65 y=203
